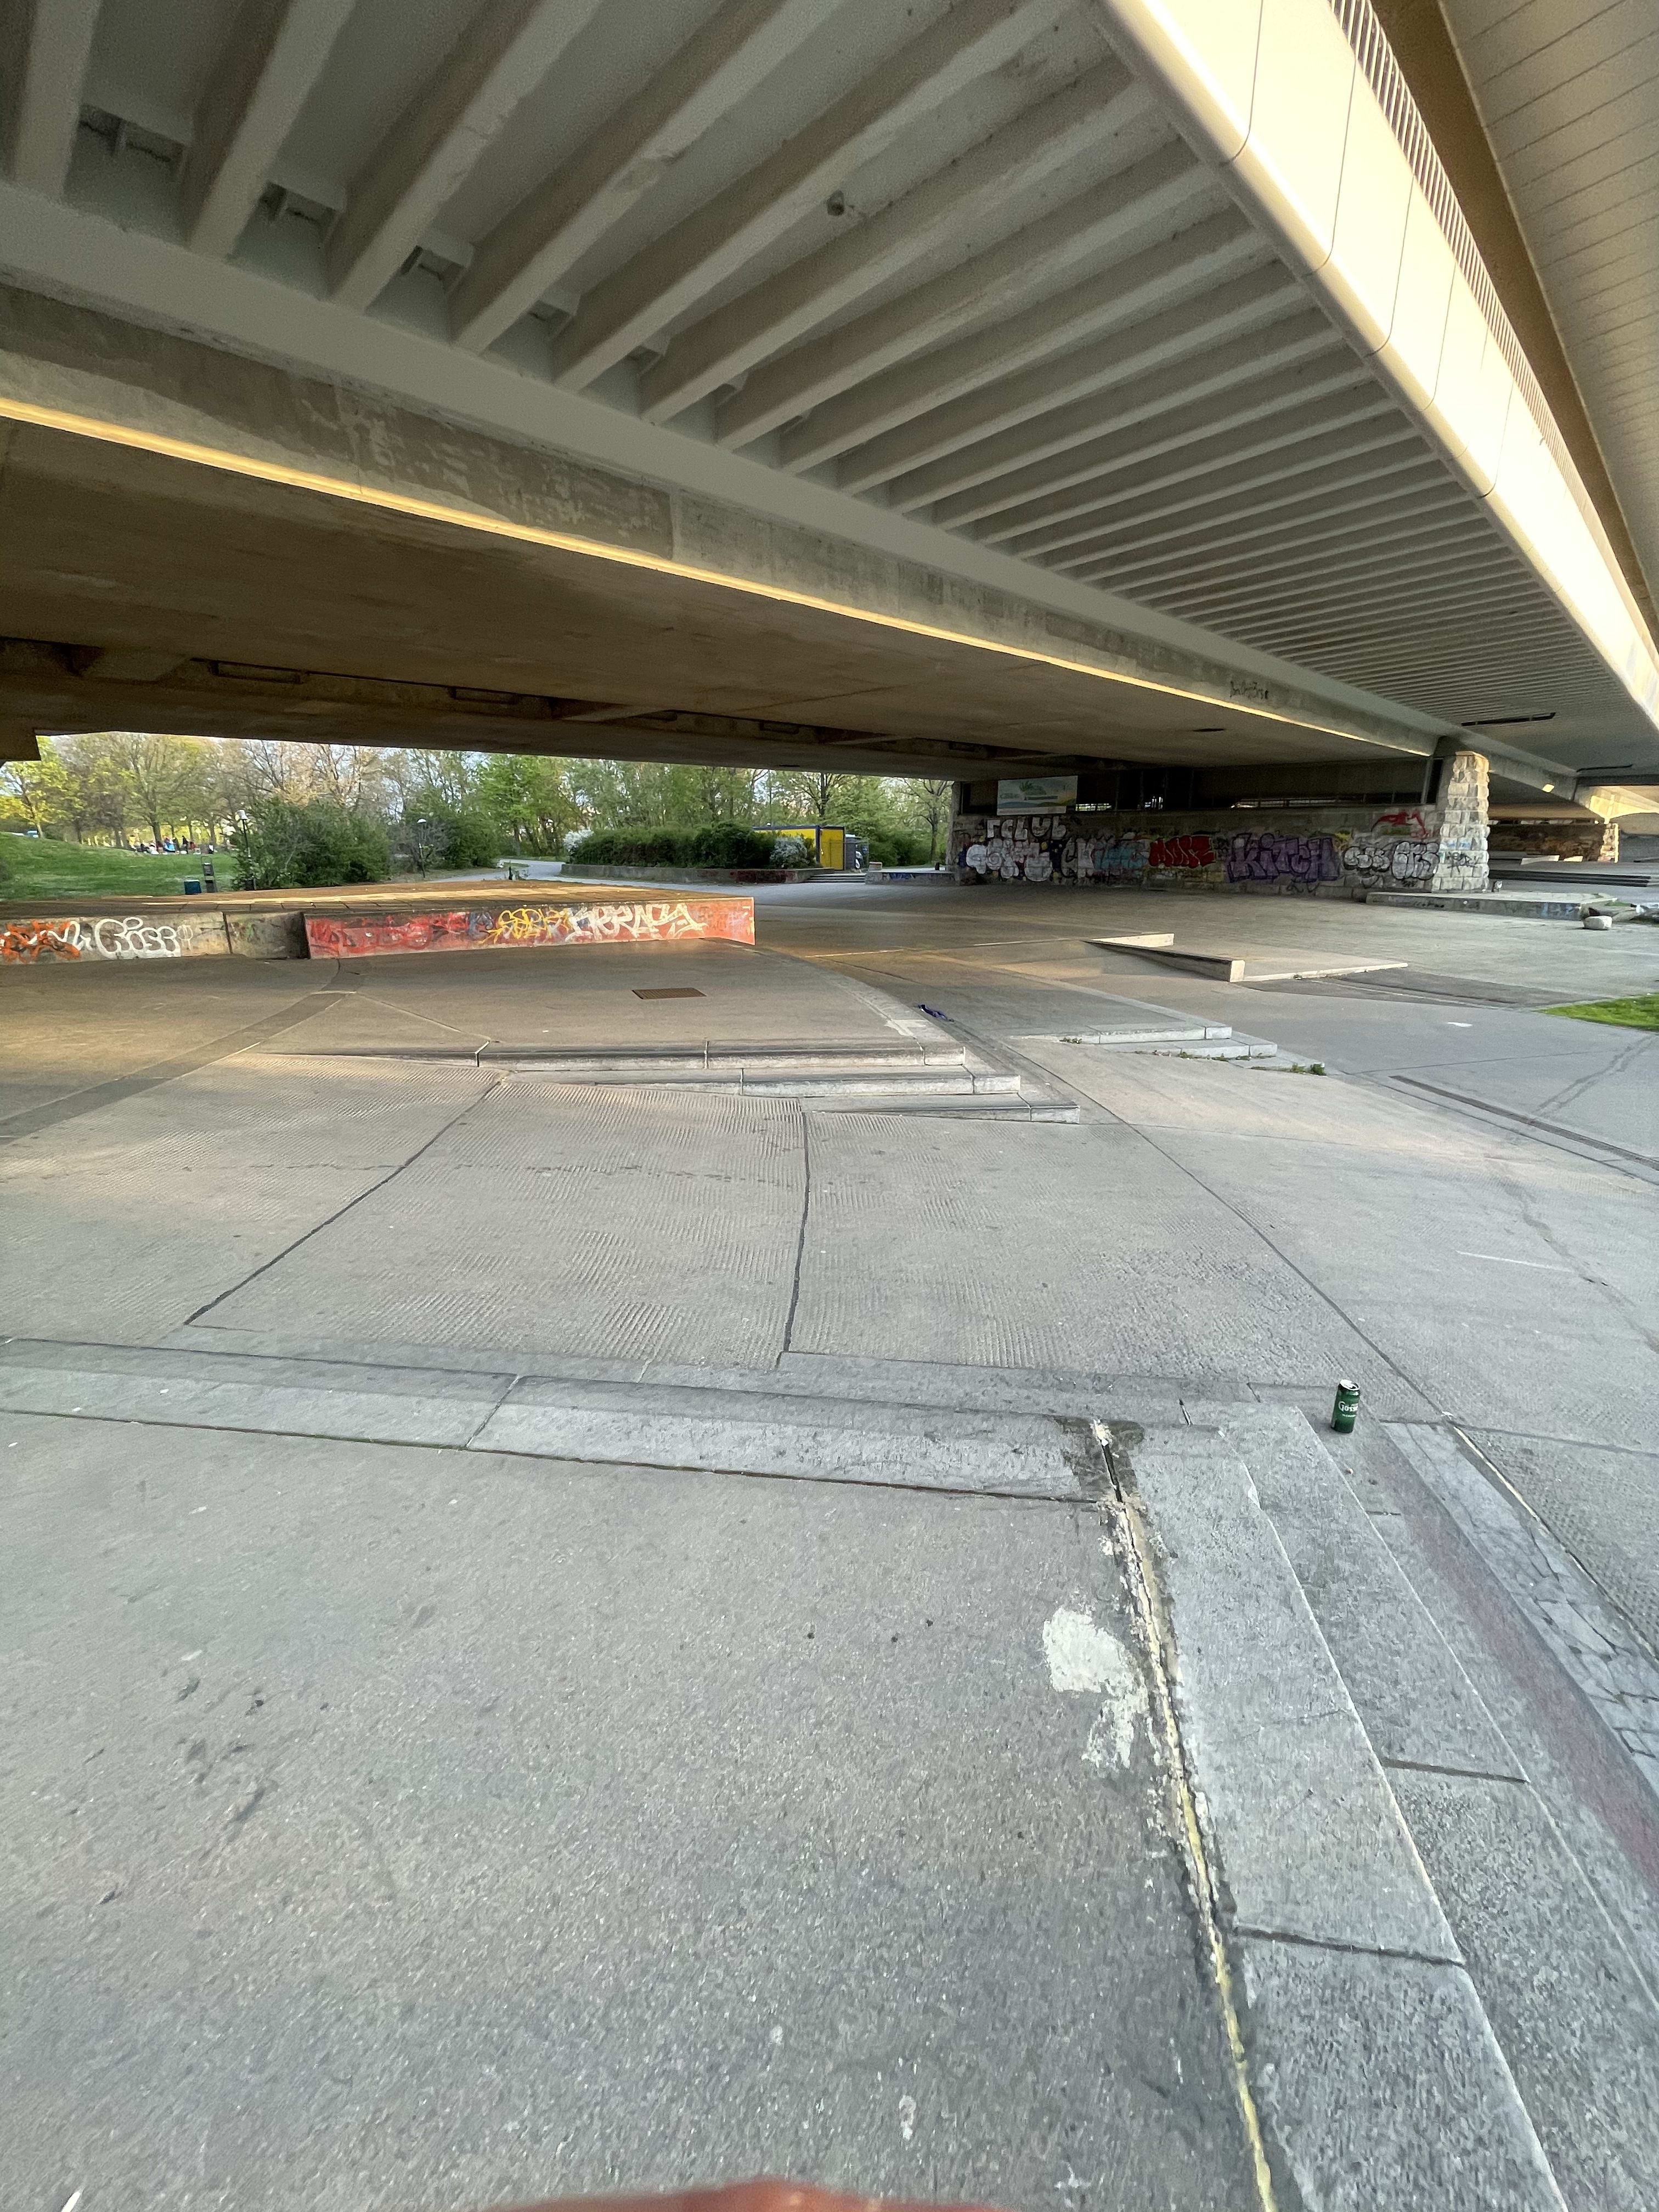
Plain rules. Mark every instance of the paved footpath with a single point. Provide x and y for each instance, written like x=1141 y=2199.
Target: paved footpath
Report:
x=576 y=1635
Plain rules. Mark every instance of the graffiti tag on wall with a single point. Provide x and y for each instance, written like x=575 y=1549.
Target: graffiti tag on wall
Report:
x=1273 y=856
x=656 y=921
x=1193 y=850
x=1390 y=859
x=74 y=937
x=1399 y=847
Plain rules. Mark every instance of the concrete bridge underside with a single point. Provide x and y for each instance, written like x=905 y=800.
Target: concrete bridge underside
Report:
x=985 y=387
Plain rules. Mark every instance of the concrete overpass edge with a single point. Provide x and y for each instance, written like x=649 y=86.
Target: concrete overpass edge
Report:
x=707 y=497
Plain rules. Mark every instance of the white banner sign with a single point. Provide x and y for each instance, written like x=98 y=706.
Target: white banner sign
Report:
x=1035 y=794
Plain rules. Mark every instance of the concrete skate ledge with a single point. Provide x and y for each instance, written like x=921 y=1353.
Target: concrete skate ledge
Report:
x=354 y=922
x=1237 y=967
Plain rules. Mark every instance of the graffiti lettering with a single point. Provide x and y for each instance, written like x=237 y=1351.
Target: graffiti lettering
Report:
x=484 y=929
x=1117 y=860
x=40 y=940
x=1398 y=860
x=1193 y=850
x=1266 y=856
x=73 y=938
x=654 y=920
x=133 y=940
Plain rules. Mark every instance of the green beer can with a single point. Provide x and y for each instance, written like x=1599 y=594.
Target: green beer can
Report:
x=1347 y=1405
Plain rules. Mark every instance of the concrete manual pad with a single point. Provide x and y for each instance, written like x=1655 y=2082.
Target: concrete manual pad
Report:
x=1416 y=1703
x=214 y=1390
x=1046 y=1247
x=1282 y=964
x=1310 y=1842
x=620 y=1223
x=122 y=1224
x=430 y=999
x=828 y=1439
x=390 y=1825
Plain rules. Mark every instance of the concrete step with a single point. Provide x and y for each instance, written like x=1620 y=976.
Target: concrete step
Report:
x=1238 y=1046
x=652 y=1060
x=770 y=1057
x=1352 y=1980
x=1025 y=1103
x=1148 y=1031
x=1212 y=1040
x=806 y=1080
x=934 y=1073
x=813 y=1437
x=1329 y=1724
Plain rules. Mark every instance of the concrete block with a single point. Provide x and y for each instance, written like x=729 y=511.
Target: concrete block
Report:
x=1382 y=2084
x=273 y=1397
x=821 y=1439
x=1416 y=1702
x=267 y=935
x=1309 y=1839
x=95 y=939
x=542 y=925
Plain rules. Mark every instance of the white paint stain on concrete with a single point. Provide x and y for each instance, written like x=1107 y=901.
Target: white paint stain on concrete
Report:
x=1086 y=1659
x=907 y=2117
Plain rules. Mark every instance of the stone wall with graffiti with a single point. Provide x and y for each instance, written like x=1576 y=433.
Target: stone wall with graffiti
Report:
x=1324 y=852
x=96 y=937
x=483 y=929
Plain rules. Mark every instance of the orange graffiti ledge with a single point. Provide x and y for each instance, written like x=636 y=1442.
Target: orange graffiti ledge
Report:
x=543 y=925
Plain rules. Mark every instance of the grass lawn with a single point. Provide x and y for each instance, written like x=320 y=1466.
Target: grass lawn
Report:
x=1641 y=1013
x=48 y=867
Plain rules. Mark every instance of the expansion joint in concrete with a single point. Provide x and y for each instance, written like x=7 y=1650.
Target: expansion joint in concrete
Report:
x=1152 y=1618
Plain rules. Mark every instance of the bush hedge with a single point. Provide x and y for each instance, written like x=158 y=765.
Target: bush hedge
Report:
x=282 y=847
x=714 y=845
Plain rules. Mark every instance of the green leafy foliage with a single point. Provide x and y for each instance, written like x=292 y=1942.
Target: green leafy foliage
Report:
x=281 y=845
x=712 y=845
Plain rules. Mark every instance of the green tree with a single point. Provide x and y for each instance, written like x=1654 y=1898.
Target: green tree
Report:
x=433 y=835
x=424 y=777
x=819 y=794
x=614 y=795
x=96 y=800
x=527 y=797
x=927 y=803
x=166 y=776
x=282 y=846
x=722 y=794
x=33 y=793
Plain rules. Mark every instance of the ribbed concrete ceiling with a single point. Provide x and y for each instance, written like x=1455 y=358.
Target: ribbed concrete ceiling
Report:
x=1568 y=92
x=951 y=259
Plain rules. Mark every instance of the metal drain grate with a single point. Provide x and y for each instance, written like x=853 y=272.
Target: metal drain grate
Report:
x=683 y=992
